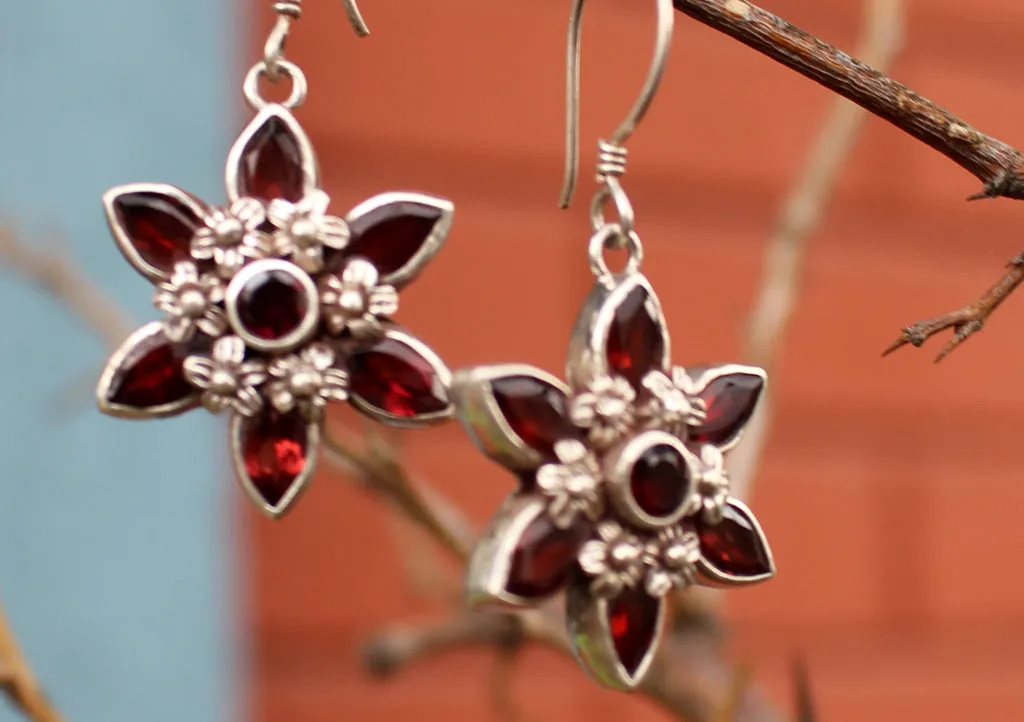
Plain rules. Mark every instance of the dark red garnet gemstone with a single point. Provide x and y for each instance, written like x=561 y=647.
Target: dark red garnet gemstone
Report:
x=272 y=304
x=730 y=401
x=633 y=621
x=274 y=448
x=390 y=236
x=271 y=164
x=154 y=378
x=544 y=558
x=395 y=378
x=536 y=411
x=635 y=342
x=734 y=545
x=660 y=480
x=160 y=227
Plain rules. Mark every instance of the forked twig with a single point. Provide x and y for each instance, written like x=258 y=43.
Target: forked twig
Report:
x=965 y=321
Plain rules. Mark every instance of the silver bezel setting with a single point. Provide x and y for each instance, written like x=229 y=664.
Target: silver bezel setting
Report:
x=473 y=394
x=587 y=357
x=712 y=576
x=430 y=246
x=134 y=347
x=491 y=562
x=618 y=470
x=310 y=172
x=703 y=376
x=592 y=640
x=444 y=376
x=304 y=330
x=117 y=230
x=301 y=481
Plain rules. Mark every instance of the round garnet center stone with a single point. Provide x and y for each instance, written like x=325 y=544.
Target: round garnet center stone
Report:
x=660 y=481
x=272 y=304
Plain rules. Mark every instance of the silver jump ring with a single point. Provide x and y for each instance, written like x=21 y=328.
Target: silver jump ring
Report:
x=610 y=236
x=612 y=191
x=251 y=86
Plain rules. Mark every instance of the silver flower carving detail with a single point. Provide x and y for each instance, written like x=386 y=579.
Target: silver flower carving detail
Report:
x=672 y=561
x=573 y=485
x=228 y=381
x=673 y=404
x=304 y=228
x=307 y=380
x=355 y=300
x=191 y=301
x=232 y=236
x=615 y=559
x=605 y=409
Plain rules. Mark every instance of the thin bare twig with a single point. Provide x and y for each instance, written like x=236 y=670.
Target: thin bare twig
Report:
x=965 y=321
x=799 y=216
x=18 y=682
x=781 y=281
x=378 y=468
x=56 y=275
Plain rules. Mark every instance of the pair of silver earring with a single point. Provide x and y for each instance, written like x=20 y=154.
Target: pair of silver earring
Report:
x=276 y=308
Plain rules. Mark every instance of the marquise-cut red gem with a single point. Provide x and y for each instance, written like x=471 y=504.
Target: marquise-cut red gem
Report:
x=272 y=304
x=536 y=411
x=271 y=164
x=274 y=449
x=389 y=236
x=395 y=378
x=730 y=402
x=544 y=558
x=154 y=379
x=633 y=621
x=660 y=480
x=635 y=342
x=734 y=545
x=160 y=227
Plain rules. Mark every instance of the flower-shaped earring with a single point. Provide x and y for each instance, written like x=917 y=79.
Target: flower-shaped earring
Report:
x=275 y=307
x=623 y=494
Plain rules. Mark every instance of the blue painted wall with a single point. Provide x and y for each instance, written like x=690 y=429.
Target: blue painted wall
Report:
x=116 y=558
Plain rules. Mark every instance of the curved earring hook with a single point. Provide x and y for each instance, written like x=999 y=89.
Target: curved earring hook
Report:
x=289 y=11
x=355 y=18
x=662 y=42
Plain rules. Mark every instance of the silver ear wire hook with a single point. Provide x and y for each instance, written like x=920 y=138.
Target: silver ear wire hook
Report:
x=274 y=65
x=613 y=155
x=354 y=17
x=289 y=11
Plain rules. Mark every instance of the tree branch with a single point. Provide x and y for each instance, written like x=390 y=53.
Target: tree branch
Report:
x=999 y=166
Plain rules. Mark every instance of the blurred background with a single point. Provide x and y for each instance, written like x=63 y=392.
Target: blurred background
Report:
x=142 y=586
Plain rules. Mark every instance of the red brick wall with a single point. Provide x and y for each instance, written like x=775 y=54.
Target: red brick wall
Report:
x=890 y=489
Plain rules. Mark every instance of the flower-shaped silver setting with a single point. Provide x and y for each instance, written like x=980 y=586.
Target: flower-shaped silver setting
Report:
x=572 y=484
x=307 y=380
x=226 y=379
x=304 y=230
x=232 y=236
x=645 y=440
x=605 y=410
x=355 y=300
x=192 y=303
x=275 y=307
